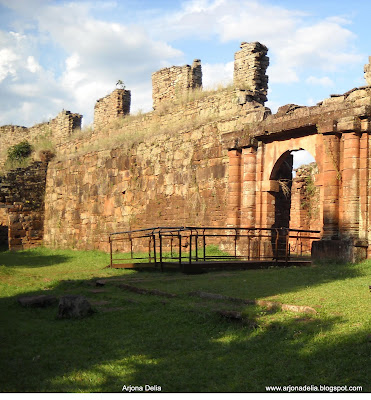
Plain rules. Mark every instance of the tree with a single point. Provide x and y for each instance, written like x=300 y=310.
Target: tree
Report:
x=120 y=84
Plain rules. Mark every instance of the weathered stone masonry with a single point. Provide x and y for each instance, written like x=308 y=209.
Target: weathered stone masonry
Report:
x=109 y=108
x=22 y=193
x=215 y=161
x=59 y=129
x=169 y=83
x=250 y=65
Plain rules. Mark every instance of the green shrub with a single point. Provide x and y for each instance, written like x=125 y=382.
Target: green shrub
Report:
x=19 y=151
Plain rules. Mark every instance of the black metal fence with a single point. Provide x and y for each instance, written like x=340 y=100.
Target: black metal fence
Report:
x=192 y=244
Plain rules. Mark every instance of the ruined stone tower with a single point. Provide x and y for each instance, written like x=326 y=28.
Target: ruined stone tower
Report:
x=114 y=105
x=173 y=82
x=367 y=71
x=250 y=65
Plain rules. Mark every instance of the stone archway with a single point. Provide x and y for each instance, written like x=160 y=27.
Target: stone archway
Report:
x=343 y=179
x=276 y=161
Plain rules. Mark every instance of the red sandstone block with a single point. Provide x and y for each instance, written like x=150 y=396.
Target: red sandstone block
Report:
x=350 y=177
x=234 y=203
x=350 y=142
x=234 y=170
x=249 y=176
x=234 y=187
x=235 y=162
x=350 y=163
x=331 y=178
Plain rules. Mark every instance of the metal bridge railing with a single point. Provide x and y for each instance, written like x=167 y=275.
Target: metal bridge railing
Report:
x=189 y=244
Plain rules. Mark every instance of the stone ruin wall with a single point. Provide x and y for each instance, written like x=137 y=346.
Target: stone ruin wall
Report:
x=305 y=199
x=180 y=176
x=22 y=190
x=22 y=207
x=305 y=213
x=58 y=131
x=230 y=109
x=250 y=65
x=178 y=180
x=174 y=175
x=171 y=168
x=367 y=71
x=111 y=107
x=98 y=191
x=170 y=84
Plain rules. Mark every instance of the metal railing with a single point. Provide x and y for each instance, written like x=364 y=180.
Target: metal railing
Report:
x=189 y=244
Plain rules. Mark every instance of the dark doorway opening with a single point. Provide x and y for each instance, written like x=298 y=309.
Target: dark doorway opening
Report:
x=282 y=173
x=4 y=244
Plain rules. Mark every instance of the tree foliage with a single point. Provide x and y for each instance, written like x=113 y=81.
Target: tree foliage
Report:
x=19 y=151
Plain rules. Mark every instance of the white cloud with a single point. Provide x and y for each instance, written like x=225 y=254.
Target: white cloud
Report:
x=295 y=41
x=324 y=45
x=8 y=60
x=28 y=91
x=103 y=52
x=32 y=65
x=217 y=74
x=282 y=73
x=96 y=53
x=302 y=157
x=324 y=81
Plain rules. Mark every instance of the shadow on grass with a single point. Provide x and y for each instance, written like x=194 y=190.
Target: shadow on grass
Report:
x=175 y=344
x=26 y=259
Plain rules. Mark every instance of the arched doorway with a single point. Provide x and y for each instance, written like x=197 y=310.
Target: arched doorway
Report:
x=282 y=173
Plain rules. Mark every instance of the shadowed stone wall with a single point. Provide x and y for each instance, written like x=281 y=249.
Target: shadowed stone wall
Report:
x=22 y=193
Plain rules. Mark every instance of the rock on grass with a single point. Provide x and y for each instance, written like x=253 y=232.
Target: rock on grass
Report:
x=74 y=306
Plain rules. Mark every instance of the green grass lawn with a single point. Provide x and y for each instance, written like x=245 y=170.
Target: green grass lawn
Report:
x=181 y=343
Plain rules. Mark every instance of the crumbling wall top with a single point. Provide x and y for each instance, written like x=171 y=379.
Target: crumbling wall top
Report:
x=173 y=82
x=250 y=65
x=108 y=108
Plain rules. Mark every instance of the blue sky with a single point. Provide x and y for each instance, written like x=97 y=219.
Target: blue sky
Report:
x=57 y=54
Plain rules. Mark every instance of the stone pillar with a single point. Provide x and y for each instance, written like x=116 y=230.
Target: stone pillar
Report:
x=364 y=179
x=350 y=184
x=250 y=65
x=331 y=177
x=196 y=70
x=259 y=178
x=249 y=187
x=234 y=188
x=367 y=71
